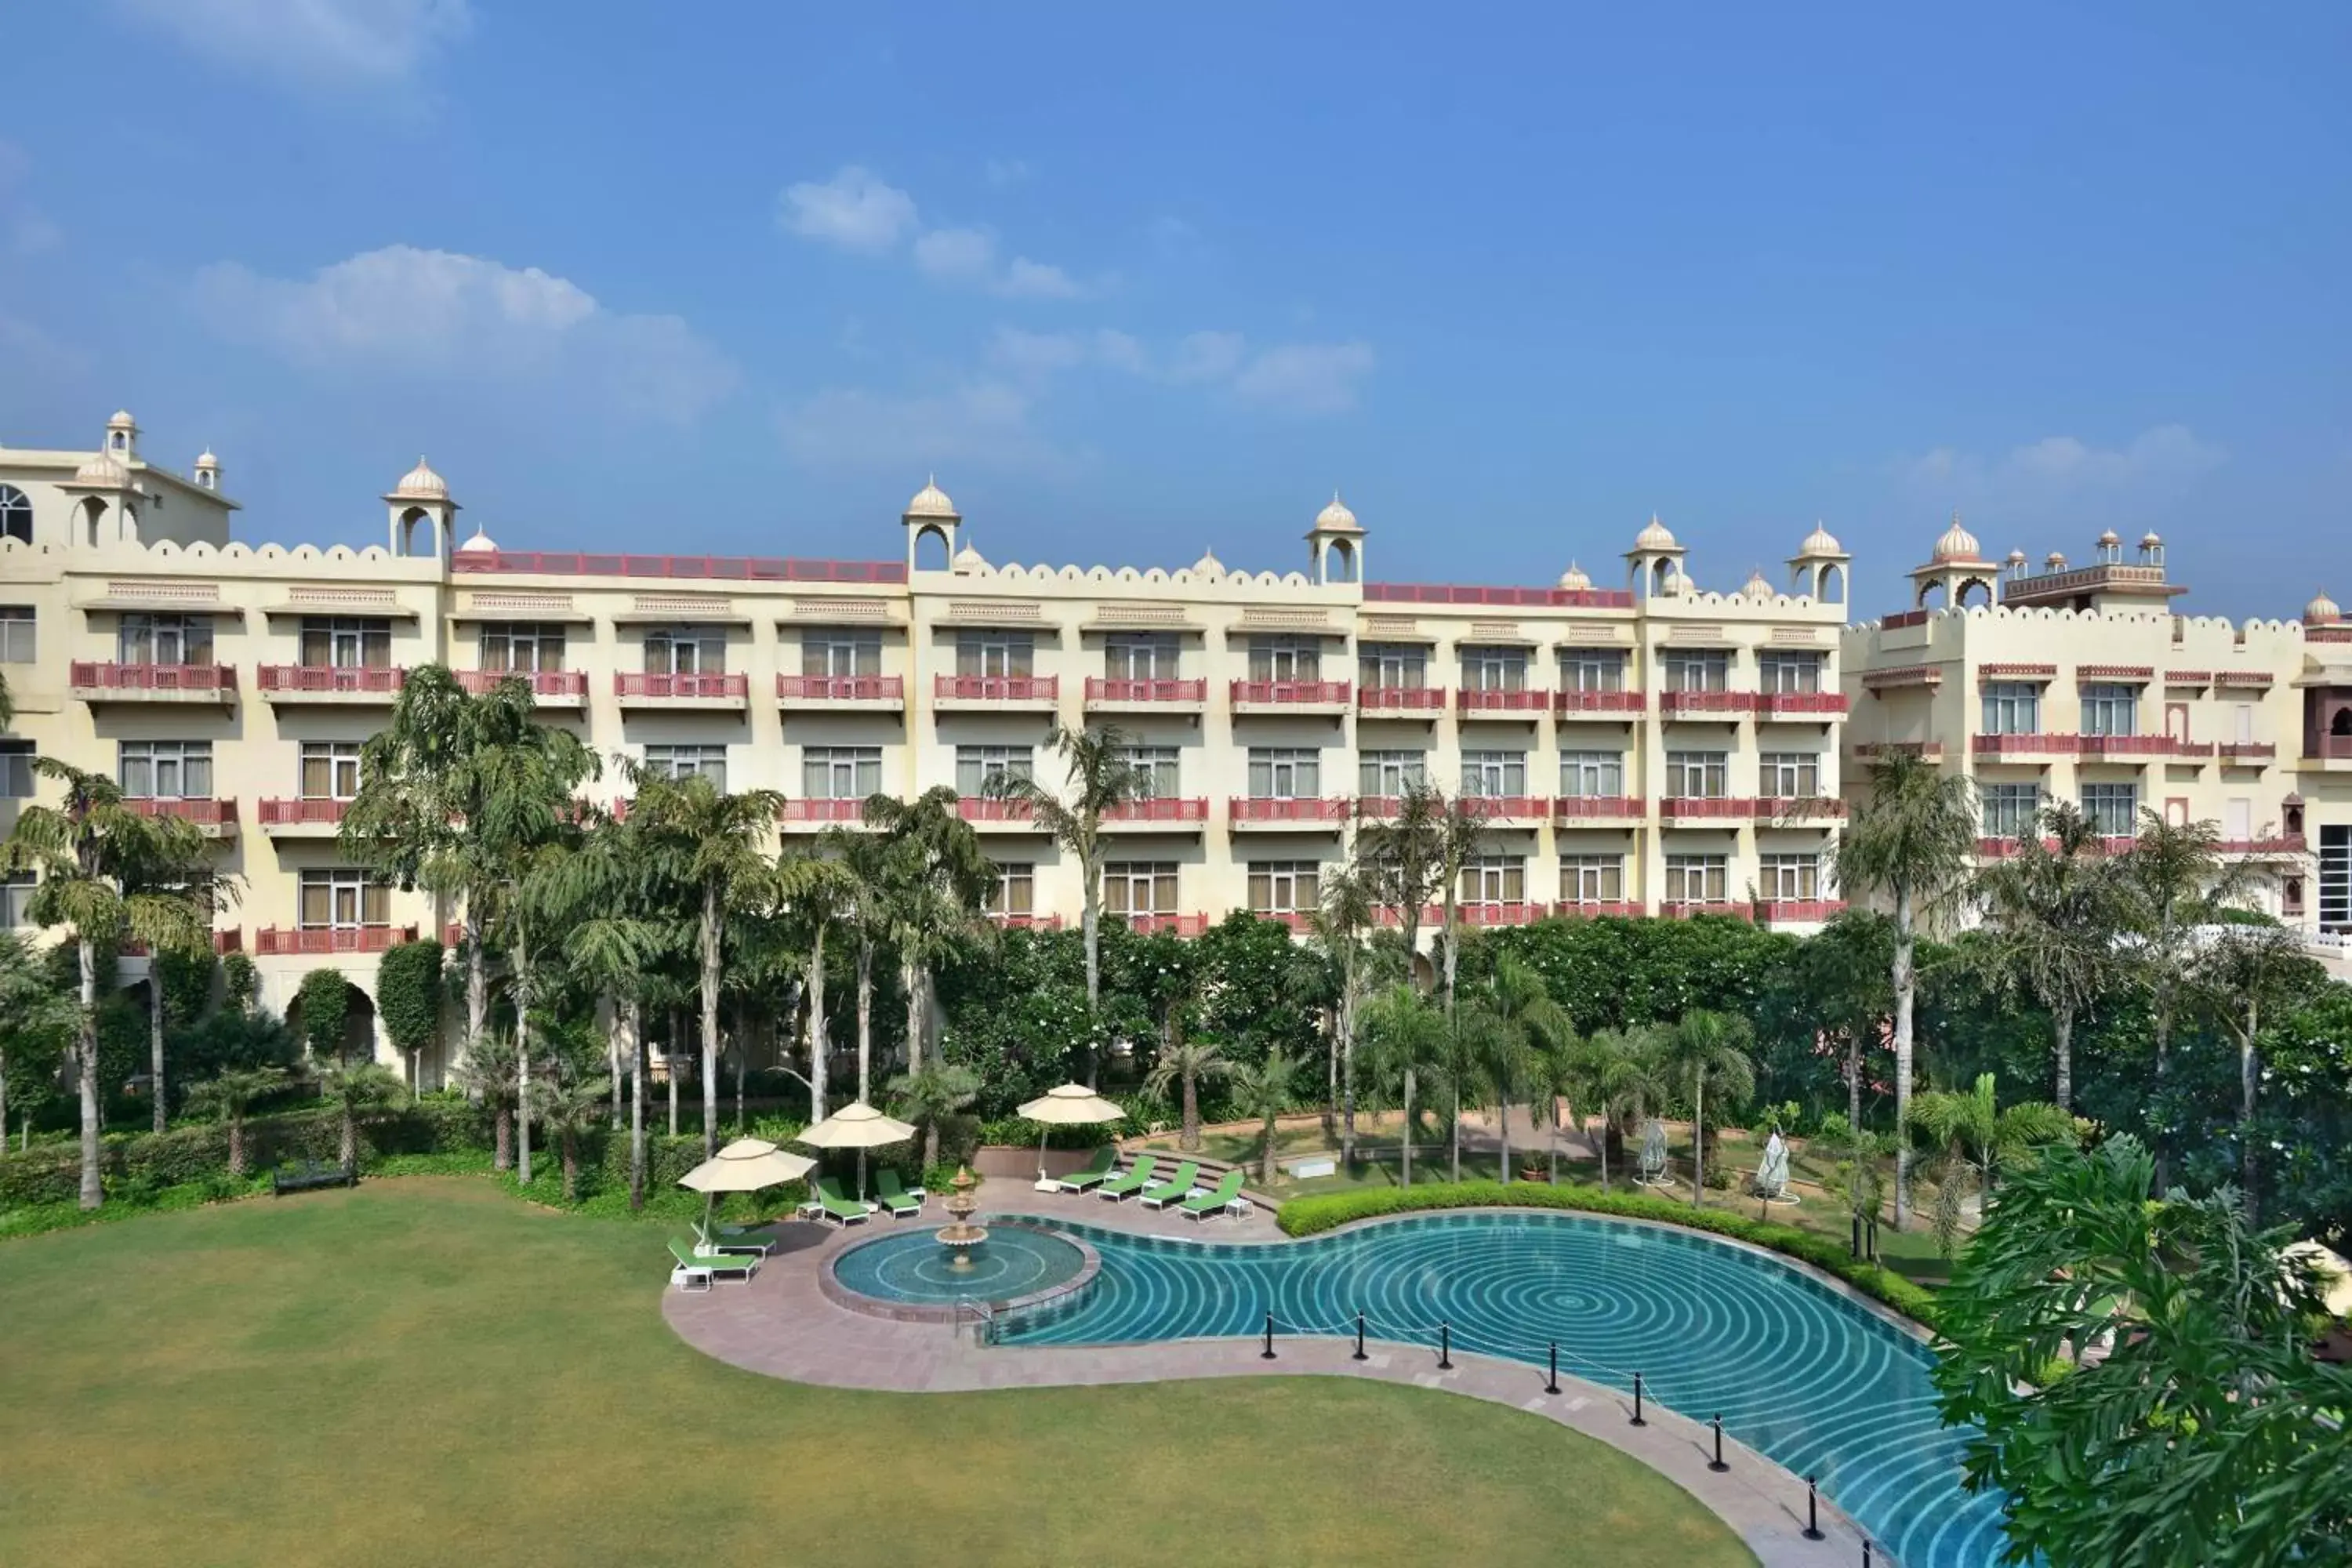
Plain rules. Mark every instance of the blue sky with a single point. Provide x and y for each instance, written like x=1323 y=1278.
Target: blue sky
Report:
x=1136 y=281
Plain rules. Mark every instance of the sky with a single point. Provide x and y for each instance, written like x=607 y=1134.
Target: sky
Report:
x=1134 y=281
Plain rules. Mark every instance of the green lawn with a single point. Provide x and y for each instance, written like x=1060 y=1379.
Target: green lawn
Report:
x=426 y=1369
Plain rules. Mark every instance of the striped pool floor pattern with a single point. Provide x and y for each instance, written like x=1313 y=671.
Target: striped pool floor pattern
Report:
x=1797 y=1372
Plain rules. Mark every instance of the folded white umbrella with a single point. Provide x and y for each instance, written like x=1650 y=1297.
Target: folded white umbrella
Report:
x=1071 y=1105
x=2333 y=1269
x=746 y=1165
x=858 y=1126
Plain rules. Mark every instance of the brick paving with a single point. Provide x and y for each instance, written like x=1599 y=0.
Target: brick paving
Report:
x=781 y=1324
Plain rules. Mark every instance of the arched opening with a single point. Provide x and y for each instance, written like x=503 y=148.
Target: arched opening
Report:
x=932 y=550
x=358 y=1042
x=1830 y=589
x=1931 y=596
x=15 y=515
x=1975 y=591
x=2295 y=819
x=2341 y=723
x=93 y=510
x=1659 y=574
x=1339 y=562
x=411 y=521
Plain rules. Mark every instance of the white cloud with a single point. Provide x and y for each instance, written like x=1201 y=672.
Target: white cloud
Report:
x=439 y=315
x=981 y=423
x=1207 y=356
x=1297 y=378
x=1027 y=280
x=313 y=42
x=962 y=253
x=2062 y=474
x=852 y=210
x=1305 y=378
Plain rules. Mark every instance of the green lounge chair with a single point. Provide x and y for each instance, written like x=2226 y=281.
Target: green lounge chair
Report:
x=711 y=1241
x=1176 y=1187
x=707 y=1270
x=1217 y=1199
x=839 y=1209
x=1096 y=1172
x=1135 y=1181
x=898 y=1200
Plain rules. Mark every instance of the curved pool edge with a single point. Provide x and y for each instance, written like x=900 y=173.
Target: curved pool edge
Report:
x=950 y=1313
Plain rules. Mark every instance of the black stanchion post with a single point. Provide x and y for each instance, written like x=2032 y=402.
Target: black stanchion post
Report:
x=1812 y=1509
x=1854 y=1247
x=1360 y=1338
x=1866 y=1552
x=1446 y=1347
x=1551 y=1385
x=1637 y=1401
x=1267 y=1353
x=1717 y=1464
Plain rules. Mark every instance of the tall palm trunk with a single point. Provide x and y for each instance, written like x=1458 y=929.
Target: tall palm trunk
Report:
x=637 y=1108
x=1906 y=982
x=1331 y=1078
x=1699 y=1138
x=1348 y=1060
x=1456 y=1129
x=1090 y=928
x=477 y=1012
x=2250 y=1067
x=669 y=1058
x=865 y=1020
x=1405 y=1147
x=819 y=1047
x=570 y=1143
x=1853 y=1079
x=2064 y=1020
x=710 y=935
x=155 y=1036
x=613 y=1053
x=351 y=1146
x=1190 y=1139
x=1503 y=1129
x=522 y=1058
x=93 y=1192
x=236 y=1145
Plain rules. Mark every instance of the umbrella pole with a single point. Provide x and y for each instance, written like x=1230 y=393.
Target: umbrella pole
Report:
x=861 y=1175
x=1044 y=1132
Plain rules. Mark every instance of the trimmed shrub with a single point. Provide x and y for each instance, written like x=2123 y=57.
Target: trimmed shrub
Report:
x=1311 y=1216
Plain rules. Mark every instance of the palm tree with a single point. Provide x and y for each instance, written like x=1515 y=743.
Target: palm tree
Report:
x=357 y=1090
x=1185 y=1062
x=1521 y=1026
x=1405 y=1037
x=228 y=1095
x=864 y=860
x=1913 y=840
x=1343 y=921
x=179 y=867
x=103 y=874
x=488 y=1075
x=931 y=1093
x=938 y=878
x=814 y=898
x=569 y=1104
x=1265 y=1090
x=613 y=953
x=1417 y=855
x=2050 y=917
x=1706 y=1045
x=1972 y=1133
x=1616 y=1071
x=37 y=1018
x=2172 y=880
x=1556 y=1074
x=2239 y=974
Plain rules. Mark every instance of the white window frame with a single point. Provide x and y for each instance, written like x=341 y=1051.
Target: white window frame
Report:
x=840 y=773
x=1284 y=773
x=687 y=759
x=1390 y=774
x=1284 y=886
x=1592 y=669
x=1698 y=878
x=1789 y=775
x=1494 y=776
x=978 y=766
x=1592 y=879
x=170 y=770
x=2011 y=708
x=1698 y=775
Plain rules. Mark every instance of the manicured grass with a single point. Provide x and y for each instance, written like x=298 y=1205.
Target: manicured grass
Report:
x=425 y=1370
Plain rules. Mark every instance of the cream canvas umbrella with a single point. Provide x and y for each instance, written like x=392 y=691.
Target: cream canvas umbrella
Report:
x=858 y=1126
x=746 y=1165
x=1072 y=1105
x=2334 y=1270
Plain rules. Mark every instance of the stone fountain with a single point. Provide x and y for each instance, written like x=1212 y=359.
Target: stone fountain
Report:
x=959 y=1235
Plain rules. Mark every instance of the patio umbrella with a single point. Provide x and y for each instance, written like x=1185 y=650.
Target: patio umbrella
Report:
x=1071 y=1105
x=2334 y=1272
x=746 y=1165
x=858 y=1126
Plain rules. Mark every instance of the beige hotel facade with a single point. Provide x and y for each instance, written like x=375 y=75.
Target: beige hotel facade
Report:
x=1641 y=747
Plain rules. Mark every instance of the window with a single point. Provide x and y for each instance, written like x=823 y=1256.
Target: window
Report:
x=165 y=639
x=1789 y=878
x=343 y=900
x=1786 y=673
x=841 y=772
x=1400 y=665
x=15 y=515
x=166 y=770
x=1155 y=768
x=17 y=644
x=1283 y=774
x=996 y=653
x=524 y=647
x=1703 y=670
x=1697 y=776
x=1592 y=669
x=1495 y=879
x=1592 y=879
x=16 y=770
x=689 y=762
x=2335 y=877
x=2008 y=809
x=346 y=642
x=2109 y=709
x=841 y=653
x=1286 y=658
x=1492 y=773
x=1016 y=890
x=2012 y=708
x=1138 y=656
x=1139 y=887
x=1494 y=670
x=2113 y=808
x=1283 y=886
x=15 y=899
x=1389 y=775
x=686 y=650
x=1790 y=775
x=978 y=766
x=1583 y=774
x=1696 y=879
x=330 y=770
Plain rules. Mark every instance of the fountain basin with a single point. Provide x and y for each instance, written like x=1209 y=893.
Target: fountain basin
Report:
x=911 y=1276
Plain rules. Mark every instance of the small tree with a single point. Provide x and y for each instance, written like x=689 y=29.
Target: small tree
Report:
x=930 y=1095
x=1407 y=1037
x=1970 y=1135
x=408 y=1000
x=230 y=1096
x=488 y=1075
x=357 y=1090
x=1708 y=1047
x=1184 y=1062
x=325 y=999
x=1265 y=1090
x=567 y=1106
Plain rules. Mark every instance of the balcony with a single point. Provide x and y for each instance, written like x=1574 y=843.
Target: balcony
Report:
x=1524 y=702
x=2248 y=753
x=566 y=688
x=1290 y=696
x=988 y=811
x=2129 y=748
x=1025 y=920
x=92 y=681
x=2327 y=748
x=1800 y=808
x=842 y=693
x=1707 y=811
x=309 y=942
x=1401 y=701
x=1995 y=847
x=1178 y=814
x=1798 y=911
x=224 y=942
x=1597 y=810
x=2277 y=843
x=1108 y=694
x=1507 y=810
x=1709 y=705
x=1162 y=925
x=1499 y=914
x=1596 y=908
x=1868 y=751
x=1300 y=921
x=301 y=818
x=2003 y=748
x=997 y=693
x=816 y=812
x=1618 y=705
x=662 y=688
x=1285 y=811
x=349 y=685
x=1676 y=910
x=1802 y=705
x=213 y=818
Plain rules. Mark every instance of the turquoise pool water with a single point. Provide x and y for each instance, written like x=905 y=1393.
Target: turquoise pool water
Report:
x=1798 y=1372
x=911 y=1266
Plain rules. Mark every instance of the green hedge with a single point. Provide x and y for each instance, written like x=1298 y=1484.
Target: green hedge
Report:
x=1310 y=1216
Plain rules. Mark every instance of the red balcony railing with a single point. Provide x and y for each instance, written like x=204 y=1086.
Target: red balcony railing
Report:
x=1675 y=704
x=998 y=688
x=202 y=812
x=348 y=679
x=543 y=682
x=1603 y=702
x=1524 y=699
x=1499 y=914
x=1298 y=921
x=2277 y=843
x=85 y=675
x=1402 y=698
x=1800 y=911
x=2034 y=745
x=1574 y=909
x=1285 y=809
x=2248 y=750
x=663 y=684
x=992 y=808
x=1027 y=921
x=1872 y=751
x=1708 y=808
x=1290 y=693
x=286 y=813
x=1530 y=598
x=1677 y=910
x=1510 y=806
x=698 y=568
x=2332 y=748
x=279 y=941
x=229 y=940
x=1161 y=808
x=841 y=687
x=815 y=810
x=1800 y=808
x=1585 y=807
x=1119 y=688
x=2129 y=745
x=1803 y=704
x=1378 y=806
x=1164 y=925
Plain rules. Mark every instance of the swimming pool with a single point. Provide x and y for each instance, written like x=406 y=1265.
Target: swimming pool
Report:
x=1798 y=1372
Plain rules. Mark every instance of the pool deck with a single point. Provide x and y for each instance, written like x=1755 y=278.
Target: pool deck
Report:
x=782 y=1324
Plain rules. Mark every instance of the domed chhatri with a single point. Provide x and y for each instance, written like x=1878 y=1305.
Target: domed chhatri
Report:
x=421 y=483
x=1957 y=543
x=933 y=501
x=480 y=544
x=1336 y=518
x=1574 y=579
x=1820 y=542
x=1655 y=535
x=968 y=560
x=1676 y=583
x=100 y=471
x=2150 y=540
x=2322 y=611
x=2054 y=562
x=1208 y=565
x=1755 y=587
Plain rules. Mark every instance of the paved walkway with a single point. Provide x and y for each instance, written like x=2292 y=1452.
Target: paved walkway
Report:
x=781 y=1324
